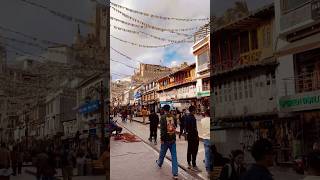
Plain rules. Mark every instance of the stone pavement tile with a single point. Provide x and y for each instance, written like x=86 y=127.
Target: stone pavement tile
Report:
x=143 y=132
x=136 y=161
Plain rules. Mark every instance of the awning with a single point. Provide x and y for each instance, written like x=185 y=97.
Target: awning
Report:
x=305 y=44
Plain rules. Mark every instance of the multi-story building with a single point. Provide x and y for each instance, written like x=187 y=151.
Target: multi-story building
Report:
x=298 y=77
x=201 y=49
x=178 y=88
x=88 y=106
x=243 y=72
x=149 y=97
x=149 y=72
x=59 y=109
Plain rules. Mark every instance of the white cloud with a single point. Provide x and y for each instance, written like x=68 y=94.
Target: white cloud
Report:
x=168 y=8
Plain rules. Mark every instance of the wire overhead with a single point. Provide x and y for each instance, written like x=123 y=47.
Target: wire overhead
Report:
x=156 y=16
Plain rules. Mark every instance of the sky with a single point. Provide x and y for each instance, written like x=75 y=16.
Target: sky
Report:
x=171 y=55
x=22 y=17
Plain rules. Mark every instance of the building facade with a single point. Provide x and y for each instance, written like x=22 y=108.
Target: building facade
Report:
x=298 y=80
x=243 y=72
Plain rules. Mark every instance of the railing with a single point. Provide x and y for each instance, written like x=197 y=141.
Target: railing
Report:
x=302 y=83
x=172 y=84
x=245 y=59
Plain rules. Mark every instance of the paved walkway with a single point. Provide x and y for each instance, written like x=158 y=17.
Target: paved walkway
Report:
x=142 y=131
x=136 y=161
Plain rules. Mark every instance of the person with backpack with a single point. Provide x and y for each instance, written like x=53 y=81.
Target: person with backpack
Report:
x=193 y=139
x=234 y=169
x=168 y=125
x=67 y=163
x=154 y=121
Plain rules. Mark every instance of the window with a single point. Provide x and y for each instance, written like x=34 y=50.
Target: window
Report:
x=203 y=59
x=220 y=93
x=235 y=90
x=287 y=5
x=244 y=42
x=240 y=88
x=254 y=39
x=246 y=93
x=230 y=91
x=225 y=92
x=266 y=36
x=250 y=87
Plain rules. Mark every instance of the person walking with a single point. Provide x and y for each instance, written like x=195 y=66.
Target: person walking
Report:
x=20 y=159
x=154 y=122
x=193 y=139
x=49 y=168
x=40 y=163
x=168 y=126
x=5 y=161
x=124 y=115
x=105 y=158
x=14 y=160
x=234 y=169
x=67 y=163
x=144 y=113
x=80 y=163
x=205 y=123
x=262 y=152
x=182 y=124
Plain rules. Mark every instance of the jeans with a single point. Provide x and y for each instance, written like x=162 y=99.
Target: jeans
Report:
x=153 y=133
x=163 y=150
x=208 y=155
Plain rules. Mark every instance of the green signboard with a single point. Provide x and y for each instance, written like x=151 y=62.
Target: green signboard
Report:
x=203 y=93
x=303 y=101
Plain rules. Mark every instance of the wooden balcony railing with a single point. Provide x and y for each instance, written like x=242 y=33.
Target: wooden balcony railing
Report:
x=302 y=83
x=172 y=84
x=250 y=57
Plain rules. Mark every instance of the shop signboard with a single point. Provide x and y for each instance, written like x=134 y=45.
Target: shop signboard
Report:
x=89 y=107
x=203 y=93
x=300 y=102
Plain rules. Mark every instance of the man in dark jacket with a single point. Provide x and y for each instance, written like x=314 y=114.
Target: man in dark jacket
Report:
x=193 y=138
x=263 y=154
x=154 y=121
x=168 y=124
x=182 y=123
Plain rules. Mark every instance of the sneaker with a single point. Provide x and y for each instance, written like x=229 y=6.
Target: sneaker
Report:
x=158 y=164
x=175 y=177
x=195 y=168
x=150 y=139
x=155 y=143
x=189 y=166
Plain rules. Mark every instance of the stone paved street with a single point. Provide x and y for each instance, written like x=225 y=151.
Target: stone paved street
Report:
x=142 y=131
x=136 y=161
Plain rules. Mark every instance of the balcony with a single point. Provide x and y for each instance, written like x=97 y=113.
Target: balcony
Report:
x=302 y=83
x=172 y=84
x=250 y=57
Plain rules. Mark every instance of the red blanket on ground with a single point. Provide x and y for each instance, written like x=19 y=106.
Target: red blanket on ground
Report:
x=126 y=137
